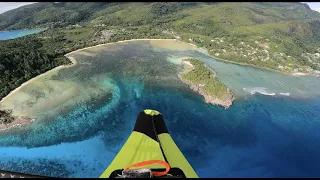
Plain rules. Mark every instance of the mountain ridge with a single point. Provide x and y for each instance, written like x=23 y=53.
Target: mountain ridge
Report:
x=42 y=13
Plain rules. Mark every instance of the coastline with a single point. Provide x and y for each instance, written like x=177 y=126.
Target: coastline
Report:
x=74 y=62
x=116 y=43
x=124 y=41
x=19 y=122
x=256 y=66
x=40 y=29
x=260 y=67
x=207 y=52
x=226 y=101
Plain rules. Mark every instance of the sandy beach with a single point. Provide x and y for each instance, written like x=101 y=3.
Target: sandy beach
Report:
x=187 y=62
x=74 y=62
x=117 y=43
x=194 y=45
x=21 y=121
x=299 y=74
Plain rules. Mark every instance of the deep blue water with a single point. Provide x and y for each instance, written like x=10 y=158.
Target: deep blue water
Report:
x=258 y=136
x=5 y=35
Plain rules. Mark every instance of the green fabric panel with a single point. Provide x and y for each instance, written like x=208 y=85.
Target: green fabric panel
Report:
x=175 y=156
x=138 y=148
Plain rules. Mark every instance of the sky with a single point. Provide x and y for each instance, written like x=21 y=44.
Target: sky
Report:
x=314 y=5
x=5 y=6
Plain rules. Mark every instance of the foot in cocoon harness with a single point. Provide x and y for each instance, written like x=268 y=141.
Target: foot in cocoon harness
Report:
x=148 y=173
x=139 y=173
x=151 y=148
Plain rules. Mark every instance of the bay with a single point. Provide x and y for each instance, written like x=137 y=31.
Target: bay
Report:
x=86 y=112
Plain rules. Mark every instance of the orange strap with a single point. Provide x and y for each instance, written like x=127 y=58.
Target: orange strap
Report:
x=144 y=163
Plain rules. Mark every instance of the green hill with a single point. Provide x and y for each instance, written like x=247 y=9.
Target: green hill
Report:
x=280 y=36
x=200 y=18
x=174 y=13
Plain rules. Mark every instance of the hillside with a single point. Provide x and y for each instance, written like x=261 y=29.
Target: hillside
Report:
x=132 y=14
x=278 y=36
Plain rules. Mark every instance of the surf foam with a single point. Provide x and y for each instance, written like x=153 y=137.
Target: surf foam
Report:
x=285 y=94
x=259 y=90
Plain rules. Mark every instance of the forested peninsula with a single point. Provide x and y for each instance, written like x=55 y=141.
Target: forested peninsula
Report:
x=203 y=80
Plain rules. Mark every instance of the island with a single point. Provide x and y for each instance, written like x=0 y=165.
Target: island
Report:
x=203 y=80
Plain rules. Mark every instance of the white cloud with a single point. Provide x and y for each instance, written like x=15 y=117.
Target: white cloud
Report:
x=314 y=5
x=316 y=9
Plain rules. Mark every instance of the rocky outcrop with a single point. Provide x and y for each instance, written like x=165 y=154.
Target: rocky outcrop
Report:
x=225 y=101
x=18 y=122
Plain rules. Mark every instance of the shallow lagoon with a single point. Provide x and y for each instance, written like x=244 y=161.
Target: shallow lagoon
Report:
x=86 y=112
x=5 y=35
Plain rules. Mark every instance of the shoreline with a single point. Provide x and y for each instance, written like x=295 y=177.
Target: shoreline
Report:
x=73 y=61
x=265 y=68
x=256 y=66
x=207 y=52
x=41 y=29
x=116 y=43
x=18 y=122
x=21 y=121
x=207 y=98
x=225 y=102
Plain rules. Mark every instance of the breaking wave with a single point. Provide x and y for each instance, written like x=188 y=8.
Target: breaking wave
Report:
x=259 y=90
x=285 y=94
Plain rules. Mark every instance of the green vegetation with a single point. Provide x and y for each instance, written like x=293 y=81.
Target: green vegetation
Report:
x=24 y=58
x=278 y=36
x=202 y=75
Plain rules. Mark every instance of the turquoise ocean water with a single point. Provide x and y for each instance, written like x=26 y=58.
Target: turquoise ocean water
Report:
x=5 y=35
x=86 y=112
